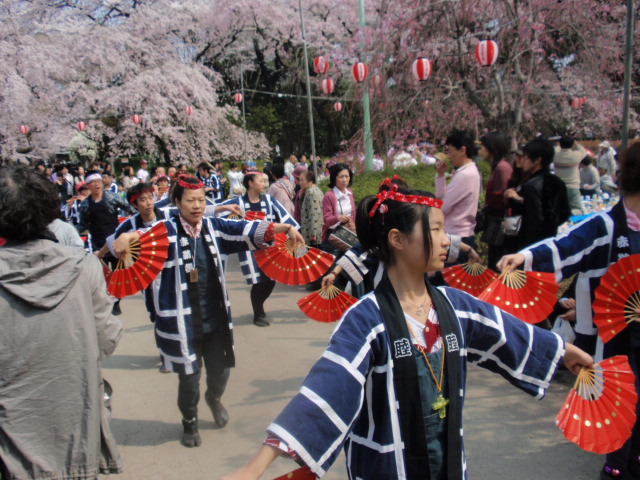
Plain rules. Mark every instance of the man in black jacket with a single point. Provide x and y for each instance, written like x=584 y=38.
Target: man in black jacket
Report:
x=544 y=195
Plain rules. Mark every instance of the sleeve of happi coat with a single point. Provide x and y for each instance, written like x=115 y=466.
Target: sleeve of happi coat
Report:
x=356 y=263
x=108 y=326
x=525 y=355
x=317 y=421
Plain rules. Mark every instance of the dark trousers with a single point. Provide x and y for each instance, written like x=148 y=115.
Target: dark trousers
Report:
x=217 y=376
x=629 y=452
x=259 y=294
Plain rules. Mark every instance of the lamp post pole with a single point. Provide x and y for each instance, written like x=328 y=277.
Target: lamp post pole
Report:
x=309 y=104
x=628 y=61
x=368 y=141
x=244 y=118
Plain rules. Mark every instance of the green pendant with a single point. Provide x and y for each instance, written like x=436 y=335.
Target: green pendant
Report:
x=440 y=406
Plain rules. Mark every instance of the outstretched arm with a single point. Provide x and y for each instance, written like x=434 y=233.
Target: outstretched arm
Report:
x=255 y=467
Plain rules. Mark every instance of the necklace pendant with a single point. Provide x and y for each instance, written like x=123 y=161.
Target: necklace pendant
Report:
x=419 y=312
x=440 y=406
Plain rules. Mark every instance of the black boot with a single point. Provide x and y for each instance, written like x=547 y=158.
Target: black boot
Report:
x=220 y=415
x=190 y=435
x=116 y=308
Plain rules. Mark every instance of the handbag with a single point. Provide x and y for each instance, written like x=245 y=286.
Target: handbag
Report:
x=482 y=217
x=563 y=328
x=343 y=238
x=511 y=225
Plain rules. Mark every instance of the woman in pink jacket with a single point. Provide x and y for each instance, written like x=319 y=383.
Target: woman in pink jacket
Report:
x=338 y=204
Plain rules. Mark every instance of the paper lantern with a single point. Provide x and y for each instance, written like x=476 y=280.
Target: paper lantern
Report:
x=188 y=110
x=327 y=86
x=24 y=129
x=421 y=69
x=360 y=72
x=575 y=103
x=82 y=126
x=136 y=119
x=487 y=53
x=337 y=106
x=238 y=97
x=377 y=81
x=321 y=65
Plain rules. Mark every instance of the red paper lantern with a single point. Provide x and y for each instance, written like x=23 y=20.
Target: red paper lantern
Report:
x=321 y=65
x=360 y=72
x=188 y=110
x=337 y=106
x=238 y=97
x=583 y=100
x=487 y=53
x=576 y=102
x=24 y=129
x=421 y=68
x=82 y=126
x=327 y=86
x=377 y=81
x=136 y=119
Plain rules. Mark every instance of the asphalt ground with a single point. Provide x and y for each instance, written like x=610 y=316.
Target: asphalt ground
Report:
x=508 y=434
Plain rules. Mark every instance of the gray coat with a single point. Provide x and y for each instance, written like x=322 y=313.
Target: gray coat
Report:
x=56 y=324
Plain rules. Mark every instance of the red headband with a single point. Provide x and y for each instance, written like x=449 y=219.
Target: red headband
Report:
x=399 y=197
x=190 y=186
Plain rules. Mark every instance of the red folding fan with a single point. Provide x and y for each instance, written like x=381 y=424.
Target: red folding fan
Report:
x=472 y=278
x=293 y=265
x=303 y=473
x=530 y=296
x=142 y=264
x=617 y=300
x=326 y=305
x=600 y=410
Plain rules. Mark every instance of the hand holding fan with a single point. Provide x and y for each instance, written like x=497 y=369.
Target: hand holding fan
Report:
x=472 y=278
x=293 y=264
x=617 y=300
x=327 y=304
x=138 y=267
x=303 y=473
x=600 y=410
x=530 y=296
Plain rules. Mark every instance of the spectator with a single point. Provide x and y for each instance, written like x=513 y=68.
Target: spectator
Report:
x=235 y=181
x=494 y=149
x=57 y=327
x=109 y=184
x=79 y=178
x=143 y=173
x=607 y=159
x=607 y=182
x=567 y=164
x=128 y=178
x=297 y=200
x=589 y=177
x=311 y=209
x=281 y=189
x=461 y=196
x=65 y=182
x=587 y=251
x=543 y=196
x=172 y=173
x=289 y=166
x=162 y=187
x=338 y=204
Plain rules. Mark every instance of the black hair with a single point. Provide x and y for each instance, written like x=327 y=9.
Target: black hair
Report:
x=373 y=232
x=540 y=148
x=249 y=177
x=204 y=166
x=463 y=138
x=403 y=187
x=178 y=190
x=630 y=169
x=138 y=190
x=232 y=165
x=587 y=160
x=28 y=203
x=567 y=141
x=277 y=171
x=335 y=170
x=497 y=146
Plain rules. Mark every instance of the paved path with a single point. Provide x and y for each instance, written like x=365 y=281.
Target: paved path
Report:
x=508 y=434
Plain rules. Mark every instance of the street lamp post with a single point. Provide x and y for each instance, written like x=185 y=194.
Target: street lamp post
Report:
x=368 y=141
x=628 y=61
x=309 y=104
x=244 y=118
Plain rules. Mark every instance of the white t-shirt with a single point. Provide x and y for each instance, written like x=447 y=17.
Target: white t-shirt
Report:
x=142 y=175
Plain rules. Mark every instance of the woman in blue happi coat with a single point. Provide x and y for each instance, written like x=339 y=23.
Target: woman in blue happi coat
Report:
x=390 y=387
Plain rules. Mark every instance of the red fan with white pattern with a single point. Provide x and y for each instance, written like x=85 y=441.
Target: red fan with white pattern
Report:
x=600 y=410
x=142 y=264
x=327 y=304
x=293 y=264
x=472 y=278
x=530 y=296
x=617 y=302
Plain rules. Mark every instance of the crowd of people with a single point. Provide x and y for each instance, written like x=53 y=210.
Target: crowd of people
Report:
x=397 y=359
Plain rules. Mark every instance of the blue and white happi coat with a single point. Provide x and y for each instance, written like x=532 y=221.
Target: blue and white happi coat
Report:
x=275 y=213
x=588 y=249
x=348 y=398
x=171 y=311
